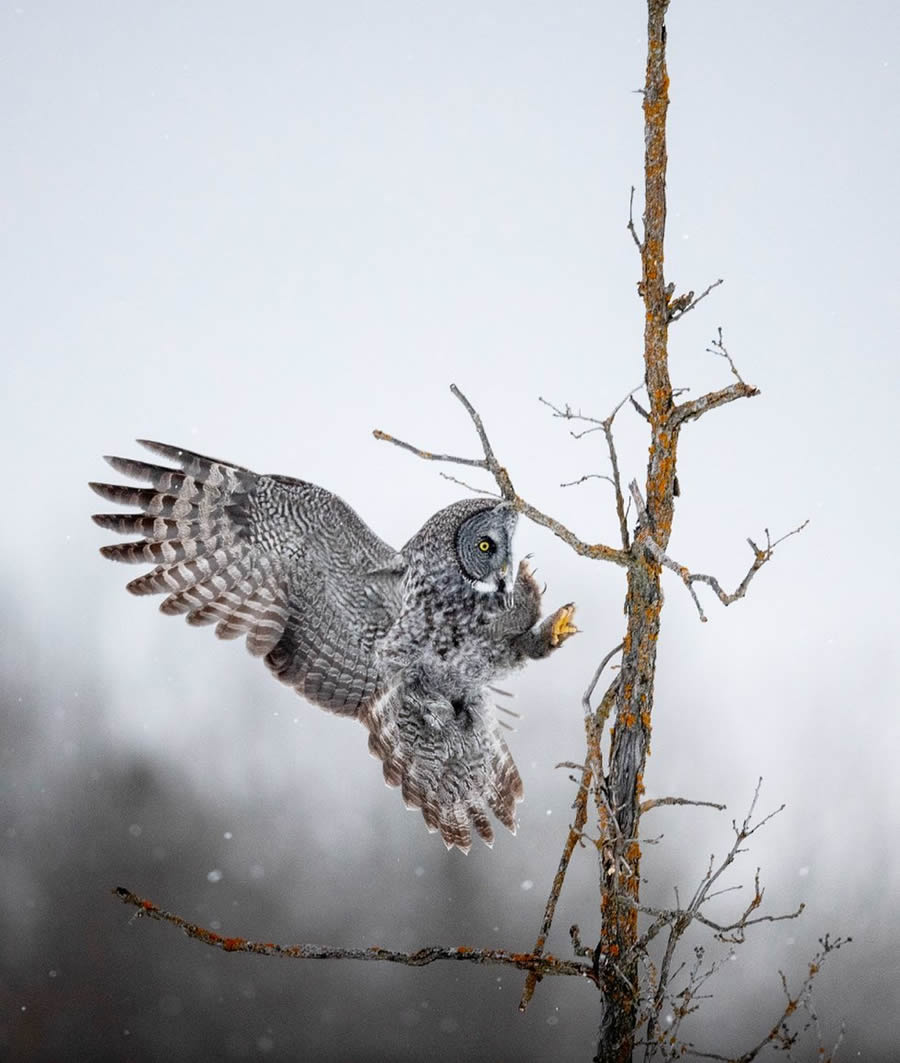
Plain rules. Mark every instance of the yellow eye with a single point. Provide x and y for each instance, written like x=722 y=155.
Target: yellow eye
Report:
x=485 y=545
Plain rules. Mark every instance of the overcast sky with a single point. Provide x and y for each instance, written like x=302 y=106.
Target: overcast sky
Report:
x=263 y=230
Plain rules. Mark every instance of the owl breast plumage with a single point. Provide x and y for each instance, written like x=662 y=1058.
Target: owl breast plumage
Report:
x=406 y=641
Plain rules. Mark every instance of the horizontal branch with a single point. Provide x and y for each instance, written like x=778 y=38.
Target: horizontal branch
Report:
x=655 y=802
x=523 y=961
x=596 y=551
x=684 y=304
x=687 y=411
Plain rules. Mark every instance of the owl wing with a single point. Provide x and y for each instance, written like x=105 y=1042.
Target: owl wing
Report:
x=449 y=760
x=282 y=561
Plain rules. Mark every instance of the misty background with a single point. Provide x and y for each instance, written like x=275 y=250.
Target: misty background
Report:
x=261 y=231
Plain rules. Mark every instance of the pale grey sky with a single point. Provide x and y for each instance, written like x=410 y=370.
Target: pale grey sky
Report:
x=263 y=230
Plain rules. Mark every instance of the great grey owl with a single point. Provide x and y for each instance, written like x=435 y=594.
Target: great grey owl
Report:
x=407 y=642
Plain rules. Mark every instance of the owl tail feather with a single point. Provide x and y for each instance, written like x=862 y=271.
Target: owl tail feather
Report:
x=449 y=762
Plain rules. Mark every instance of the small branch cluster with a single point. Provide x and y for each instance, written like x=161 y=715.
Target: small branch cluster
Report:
x=490 y=463
x=683 y=304
x=689 y=411
x=674 y=993
x=605 y=426
x=760 y=556
x=785 y=1035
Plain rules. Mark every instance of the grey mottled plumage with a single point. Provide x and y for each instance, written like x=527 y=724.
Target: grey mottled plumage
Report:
x=406 y=641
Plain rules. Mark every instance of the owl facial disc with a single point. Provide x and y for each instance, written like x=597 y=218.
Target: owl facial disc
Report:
x=484 y=549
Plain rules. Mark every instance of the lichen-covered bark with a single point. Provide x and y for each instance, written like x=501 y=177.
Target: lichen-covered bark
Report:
x=630 y=739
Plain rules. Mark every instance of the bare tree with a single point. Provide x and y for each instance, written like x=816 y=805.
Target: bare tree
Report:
x=646 y=991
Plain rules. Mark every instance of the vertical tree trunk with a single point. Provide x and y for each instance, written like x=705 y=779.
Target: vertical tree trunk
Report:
x=630 y=737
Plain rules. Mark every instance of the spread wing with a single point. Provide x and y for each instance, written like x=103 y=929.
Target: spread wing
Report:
x=284 y=562
x=448 y=759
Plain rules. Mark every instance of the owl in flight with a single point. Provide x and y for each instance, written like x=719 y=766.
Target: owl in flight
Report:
x=408 y=642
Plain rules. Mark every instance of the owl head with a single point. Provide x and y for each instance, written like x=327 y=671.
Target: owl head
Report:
x=483 y=546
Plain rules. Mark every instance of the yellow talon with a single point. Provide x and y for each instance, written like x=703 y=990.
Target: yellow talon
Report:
x=562 y=625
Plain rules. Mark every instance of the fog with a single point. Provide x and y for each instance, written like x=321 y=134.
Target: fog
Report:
x=263 y=231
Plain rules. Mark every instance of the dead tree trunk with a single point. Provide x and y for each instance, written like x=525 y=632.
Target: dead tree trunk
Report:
x=630 y=736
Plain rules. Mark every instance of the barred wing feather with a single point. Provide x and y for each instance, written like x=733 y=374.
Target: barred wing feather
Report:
x=282 y=561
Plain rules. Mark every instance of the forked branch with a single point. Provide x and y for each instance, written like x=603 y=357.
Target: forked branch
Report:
x=780 y=1035
x=687 y=411
x=605 y=426
x=593 y=770
x=489 y=462
x=760 y=556
x=678 y=920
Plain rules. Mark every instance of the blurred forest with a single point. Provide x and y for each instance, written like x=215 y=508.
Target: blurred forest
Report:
x=82 y=979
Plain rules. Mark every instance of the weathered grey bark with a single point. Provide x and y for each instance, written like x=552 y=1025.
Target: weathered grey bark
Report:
x=630 y=738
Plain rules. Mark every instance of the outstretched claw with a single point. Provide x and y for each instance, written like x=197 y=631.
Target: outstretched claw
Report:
x=562 y=626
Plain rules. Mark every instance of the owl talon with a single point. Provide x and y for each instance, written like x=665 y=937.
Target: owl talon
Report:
x=562 y=626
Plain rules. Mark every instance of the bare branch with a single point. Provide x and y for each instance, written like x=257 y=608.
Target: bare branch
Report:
x=680 y=918
x=476 y=463
x=575 y=831
x=717 y=347
x=604 y=426
x=525 y=961
x=687 y=411
x=780 y=1034
x=593 y=769
x=631 y=228
x=655 y=802
x=491 y=460
x=589 y=693
x=686 y=303
x=469 y=487
x=761 y=556
x=588 y=476
x=639 y=408
x=596 y=551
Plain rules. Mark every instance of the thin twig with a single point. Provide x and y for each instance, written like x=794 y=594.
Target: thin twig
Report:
x=524 y=961
x=760 y=557
x=588 y=476
x=604 y=426
x=639 y=408
x=572 y=838
x=655 y=802
x=476 y=463
x=589 y=693
x=592 y=769
x=687 y=411
x=717 y=347
x=470 y=487
x=779 y=1034
x=678 y=308
x=631 y=228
